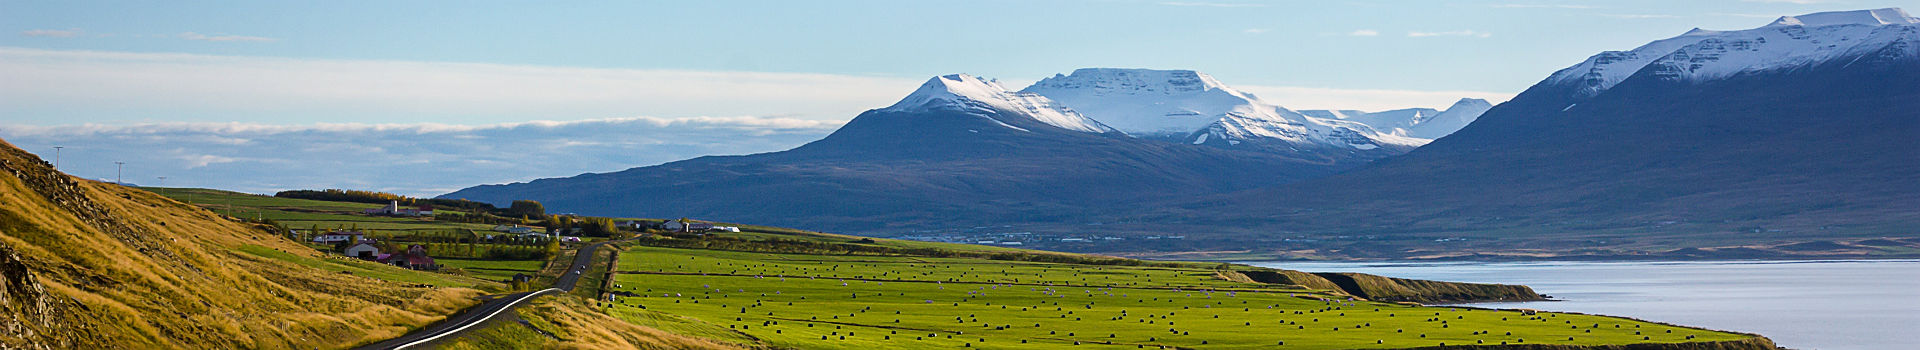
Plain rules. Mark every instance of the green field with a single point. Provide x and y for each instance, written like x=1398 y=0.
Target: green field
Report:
x=493 y=270
x=373 y=270
x=301 y=214
x=856 y=302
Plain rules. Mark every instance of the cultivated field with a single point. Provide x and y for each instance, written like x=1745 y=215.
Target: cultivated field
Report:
x=867 y=302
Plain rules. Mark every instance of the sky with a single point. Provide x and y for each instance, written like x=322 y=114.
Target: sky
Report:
x=214 y=93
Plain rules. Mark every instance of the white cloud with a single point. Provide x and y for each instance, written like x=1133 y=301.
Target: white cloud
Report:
x=1211 y=4
x=411 y=158
x=1372 y=100
x=1461 y=33
x=1745 y=15
x=1543 y=6
x=52 y=33
x=1796 y=2
x=234 y=38
x=1364 y=32
x=64 y=87
x=1639 y=16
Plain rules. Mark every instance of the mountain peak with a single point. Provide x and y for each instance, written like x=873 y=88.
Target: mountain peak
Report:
x=967 y=93
x=1789 y=42
x=1469 y=101
x=1144 y=102
x=1875 y=17
x=1133 y=81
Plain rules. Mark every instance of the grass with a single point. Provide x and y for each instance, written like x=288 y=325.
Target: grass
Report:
x=372 y=270
x=492 y=270
x=866 y=302
x=301 y=213
x=108 y=266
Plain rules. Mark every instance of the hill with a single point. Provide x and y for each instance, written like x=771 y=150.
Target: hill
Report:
x=1710 y=139
x=960 y=150
x=95 y=265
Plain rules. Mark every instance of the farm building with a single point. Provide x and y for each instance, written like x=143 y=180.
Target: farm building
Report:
x=514 y=229
x=414 y=258
x=362 y=250
x=393 y=208
x=337 y=237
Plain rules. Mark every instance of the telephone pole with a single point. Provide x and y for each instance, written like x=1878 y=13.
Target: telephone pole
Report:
x=56 y=157
x=116 y=173
x=162 y=182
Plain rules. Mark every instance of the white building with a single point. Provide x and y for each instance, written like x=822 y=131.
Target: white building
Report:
x=362 y=250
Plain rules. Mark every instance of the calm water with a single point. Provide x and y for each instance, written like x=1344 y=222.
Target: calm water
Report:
x=1798 y=304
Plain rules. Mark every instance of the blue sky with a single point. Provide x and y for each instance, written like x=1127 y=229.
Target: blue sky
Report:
x=79 y=68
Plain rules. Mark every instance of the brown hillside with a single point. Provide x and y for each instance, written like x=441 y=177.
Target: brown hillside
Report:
x=96 y=265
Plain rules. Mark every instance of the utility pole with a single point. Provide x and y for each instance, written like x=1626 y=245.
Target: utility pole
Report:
x=116 y=173
x=56 y=157
x=163 y=181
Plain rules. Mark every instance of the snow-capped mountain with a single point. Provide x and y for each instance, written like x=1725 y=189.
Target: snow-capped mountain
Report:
x=958 y=151
x=1788 y=43
x=1804 y=127
x=1193 y=107
x=1420 y=123
x=972 y=95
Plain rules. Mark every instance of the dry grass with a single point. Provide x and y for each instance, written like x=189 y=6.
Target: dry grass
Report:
x=571 y=323
x=95 y=265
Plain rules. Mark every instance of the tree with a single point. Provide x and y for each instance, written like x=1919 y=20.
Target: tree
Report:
x=526 y=208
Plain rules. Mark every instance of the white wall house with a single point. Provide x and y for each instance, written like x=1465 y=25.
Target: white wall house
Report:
x=362 y=250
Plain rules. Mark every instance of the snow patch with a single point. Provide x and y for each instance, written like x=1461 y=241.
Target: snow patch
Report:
x=1787 y=43
x=966 y=93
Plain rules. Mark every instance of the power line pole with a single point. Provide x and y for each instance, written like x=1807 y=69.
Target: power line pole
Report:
x=116 y=173
x=56 y=157
x=162 y=182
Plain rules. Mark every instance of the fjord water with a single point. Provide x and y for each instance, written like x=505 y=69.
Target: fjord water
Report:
x=1853 y=304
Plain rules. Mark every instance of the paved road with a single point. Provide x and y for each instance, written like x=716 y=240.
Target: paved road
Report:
x=490 y=308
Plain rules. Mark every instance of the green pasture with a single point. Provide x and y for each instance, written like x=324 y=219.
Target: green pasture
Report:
x=301 y=214
x=372 y=270
x=868 y=302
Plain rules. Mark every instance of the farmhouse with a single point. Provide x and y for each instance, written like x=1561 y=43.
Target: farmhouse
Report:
x=414 y=258
x=514 y=229
x=363 y=250
x=393 y=208
x=337 y=237
x=632 y=224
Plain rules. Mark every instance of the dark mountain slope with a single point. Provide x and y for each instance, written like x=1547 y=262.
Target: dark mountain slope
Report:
x=1827 y=149
x=958 y=164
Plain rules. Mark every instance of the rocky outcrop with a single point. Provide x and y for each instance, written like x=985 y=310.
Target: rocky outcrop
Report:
x=1754 y=343
x=30 y=317
x=1387 y=288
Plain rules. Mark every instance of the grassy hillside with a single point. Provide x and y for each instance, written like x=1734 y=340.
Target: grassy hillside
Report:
x=94 y=265
x=835 y=300
x=302 y=213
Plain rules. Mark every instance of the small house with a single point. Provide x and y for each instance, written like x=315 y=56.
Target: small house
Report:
x=414 y=258
x=362 y=250
x=513 y=229
x=337 y=237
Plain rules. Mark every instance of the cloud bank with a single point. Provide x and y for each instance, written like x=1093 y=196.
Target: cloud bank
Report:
x=419 y=159
x=63 y=87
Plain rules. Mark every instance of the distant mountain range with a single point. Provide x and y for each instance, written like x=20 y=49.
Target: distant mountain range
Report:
x=1801 y=128
x=958 y=151
x=1419 y=123
x=1804 y=129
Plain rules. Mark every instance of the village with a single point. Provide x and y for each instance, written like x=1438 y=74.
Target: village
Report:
x=414 y=249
